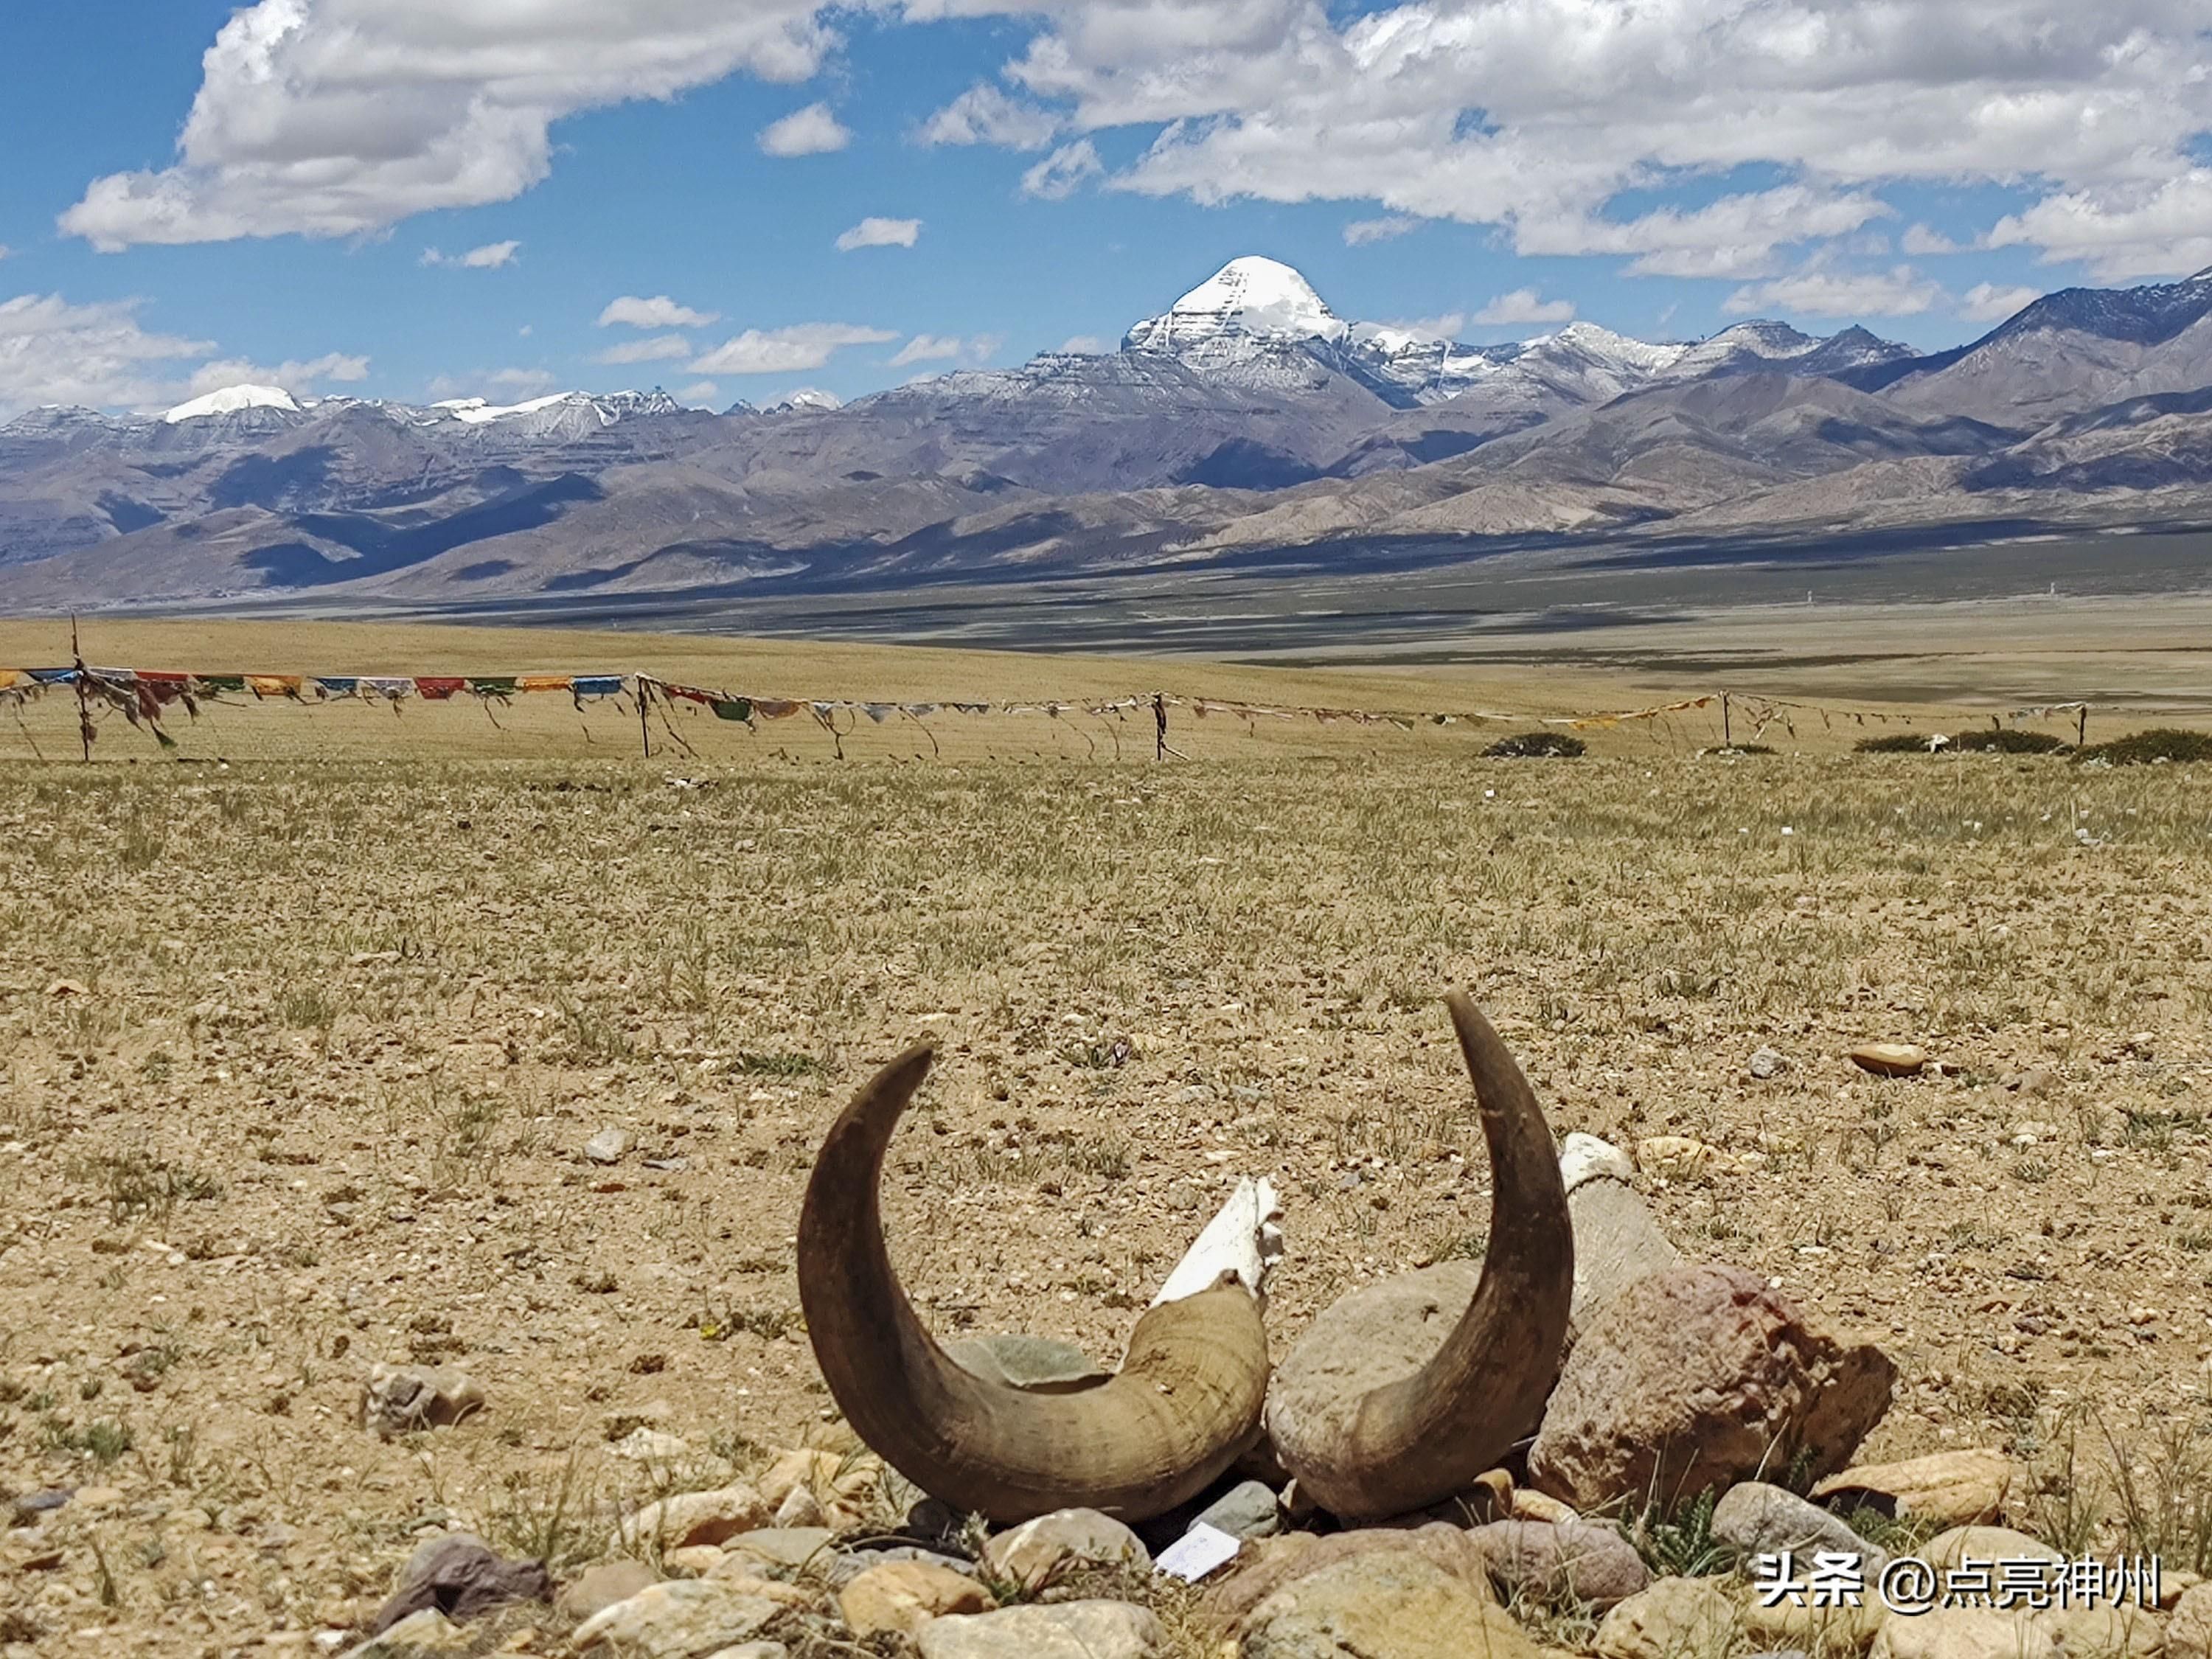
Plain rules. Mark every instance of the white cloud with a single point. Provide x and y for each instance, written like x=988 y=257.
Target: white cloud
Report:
x=524 y=380
x=810 y=131
x=334 y=118
x=880 y=232
x=948 y=347
x=501 y=386
x=1360 y=233
x=699 y=394
x=1064 y=172
x=659 y=311
x=654 y=349
x=1920 y=241
x=985 y=115
x=1987 y=302
x=53 y=352
x=2143 y=229
x=1085 y=345
x=3 y=249
x=1522 y=305
x=792 y=349
x=490 y=257
x=1900 y=291
x=292 y=375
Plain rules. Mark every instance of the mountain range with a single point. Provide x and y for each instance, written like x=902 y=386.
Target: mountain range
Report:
x=1247 y=425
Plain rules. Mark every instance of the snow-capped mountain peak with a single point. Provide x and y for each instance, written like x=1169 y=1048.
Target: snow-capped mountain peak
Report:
x=229 y=400
x=1252 y=297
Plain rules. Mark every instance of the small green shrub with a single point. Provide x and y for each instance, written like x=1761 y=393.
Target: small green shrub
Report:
x=1892 y=742
x=2008 y=741
x=1537 y=745
x=2142 y=748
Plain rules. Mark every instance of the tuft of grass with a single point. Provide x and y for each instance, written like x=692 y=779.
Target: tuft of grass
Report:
x=2164 y=1491
x=2007 y=741
x=1676 y=1540
x=137 y=1184
x=548 y=1519
x=752 y=1065
x=1892 y=742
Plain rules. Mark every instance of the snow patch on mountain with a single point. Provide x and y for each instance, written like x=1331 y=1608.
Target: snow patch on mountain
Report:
x=229 y=400
x=1250 y=298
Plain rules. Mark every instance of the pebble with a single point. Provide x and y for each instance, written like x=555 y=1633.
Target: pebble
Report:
x=1766 y=1063
x=398 y=1399
x=425 y=1632
x=698 y=1517
x=1675 y=1616
x=1890 y=1059
x=1032 y=1554
x=679 y=1619
x=1061 y=1629
x=1952 y=1488
x=900 y=1597
x=1760 y=1519
x=1389 y=1604
x=608 y=1145
x=600 y=1587
x=1246 y=1510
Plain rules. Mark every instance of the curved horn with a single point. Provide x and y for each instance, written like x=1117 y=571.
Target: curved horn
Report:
x=1185 y=1404
x=1420 y=1439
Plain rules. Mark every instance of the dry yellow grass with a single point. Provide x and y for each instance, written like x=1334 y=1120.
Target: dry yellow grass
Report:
x=301 y=1059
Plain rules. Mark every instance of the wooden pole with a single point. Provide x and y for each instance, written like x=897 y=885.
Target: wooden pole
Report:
x=1160 y=727
x=2081 y=729
x=644 y=731
x=1727 y=739
x=83 y=694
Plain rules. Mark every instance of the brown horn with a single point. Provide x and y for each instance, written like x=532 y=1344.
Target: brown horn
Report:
x=1415 y=1441
x=1185 y=1404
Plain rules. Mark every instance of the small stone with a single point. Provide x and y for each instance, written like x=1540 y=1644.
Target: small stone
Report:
x=781 y=1550
x=1572 y=1561
x=678 y=1620
x=462 y=1578
x=753 y=1651
x=1246 y=1510
x=1269 y=1564
x=1675 y=1157
x=399 y=1398
x=1952 y=1488
x=2189 y=1627
x=739 y=1573
x=902 y=1596
x=1032 y=1554
x=1946 y=1549
x=608 y=1145
x=847 y=1565
x=698 y=1517
x=426 y=1632
x=1384 y=1605
x=600 y=1587
x=648 y=1445
x=694 y=1560
x=1059 y=1630
x=1759 y=1519
x=1672 y=1618
x=1890 y=1059
x=1963 y=1633
x=2037 y=1080
x=1766 y=1063
x=1529 y=1504
x=799 y=1509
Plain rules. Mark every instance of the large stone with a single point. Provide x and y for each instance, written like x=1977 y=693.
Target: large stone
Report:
x=1388 y=1604
x=1963 y=1633
x=1824 y=1632
x=1757 y=1519
x=1700 y=1378
x=1952 y=1488
x=1269 y=1564
x=680 y=1619
x=2104 y=1632
x=698 y=1517
x=600 y=1586
x=902 y=1596
x=1675 y=1618
x=401 y=1399
x=1890 y=1059
x=1378 y=1334
x=461 y=1577
x=1059 y=1630
x=2189 y=1626
x=1029 y=1555
x=1576 y=1562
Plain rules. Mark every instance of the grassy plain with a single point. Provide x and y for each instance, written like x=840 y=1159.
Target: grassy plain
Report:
x=302 y=1046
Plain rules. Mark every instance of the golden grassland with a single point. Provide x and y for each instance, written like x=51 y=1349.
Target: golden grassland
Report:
x=302 y=1052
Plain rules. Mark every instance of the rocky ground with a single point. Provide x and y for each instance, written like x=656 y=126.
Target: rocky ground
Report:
x=518 y=1071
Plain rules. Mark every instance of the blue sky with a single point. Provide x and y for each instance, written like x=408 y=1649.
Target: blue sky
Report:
x=195 y=193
